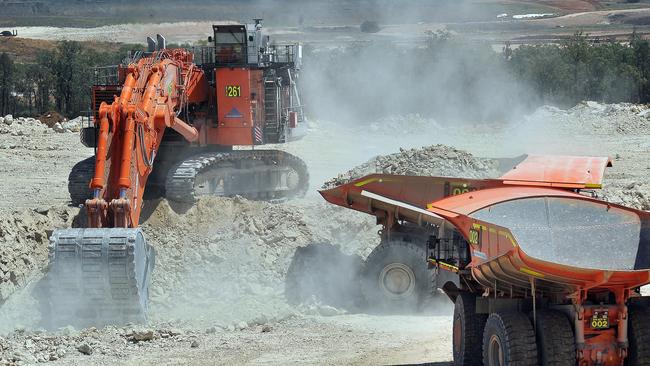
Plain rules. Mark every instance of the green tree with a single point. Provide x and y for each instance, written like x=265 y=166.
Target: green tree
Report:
x=578 y=52
x=641 y=50
x=6 y=83
x=66 y=67
x=44 y=79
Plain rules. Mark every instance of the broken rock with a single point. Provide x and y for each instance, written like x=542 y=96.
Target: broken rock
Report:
x=85 y=348
x=143 y=335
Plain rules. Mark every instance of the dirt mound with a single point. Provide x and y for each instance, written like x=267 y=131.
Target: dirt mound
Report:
x=24 y=239
x=436 y=160
x=636 y=195
x=591 y=118
x=224 y=261
x=51 y=118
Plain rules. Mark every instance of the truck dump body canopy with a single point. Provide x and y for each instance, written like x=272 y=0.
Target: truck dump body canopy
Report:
x=559 y=171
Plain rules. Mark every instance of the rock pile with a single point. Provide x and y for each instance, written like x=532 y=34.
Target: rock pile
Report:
x=30 y=347
x=73 y=125
x=25 y=126
x=220 y=266
x=24 y=239
x=436 y=160
x=636 y=194
x=589 y=117
x=224 y=261
x=21 y=126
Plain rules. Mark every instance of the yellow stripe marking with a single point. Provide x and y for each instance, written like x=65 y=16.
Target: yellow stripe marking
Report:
x=531 y=272
x=509 y=237
x=593 y=185
x=371 y=180
x=364 y=182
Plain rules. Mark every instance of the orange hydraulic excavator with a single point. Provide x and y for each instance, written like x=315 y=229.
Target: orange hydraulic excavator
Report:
x=184 y=117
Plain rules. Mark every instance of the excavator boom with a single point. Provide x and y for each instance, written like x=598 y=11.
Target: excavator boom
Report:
x=100 y=274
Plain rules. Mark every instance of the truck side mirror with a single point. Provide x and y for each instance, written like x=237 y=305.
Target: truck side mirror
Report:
x=209 y=39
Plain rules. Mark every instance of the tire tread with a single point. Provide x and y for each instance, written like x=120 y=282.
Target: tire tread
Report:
x=639 y=336
x=474 y=325
x=555 y=339
x=519 y=344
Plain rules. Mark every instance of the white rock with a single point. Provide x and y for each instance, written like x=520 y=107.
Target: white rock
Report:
x=326 y=310
x=9 y=119
x=142 y=335
x=72 y=126
x=58 y=128
x=24 y=357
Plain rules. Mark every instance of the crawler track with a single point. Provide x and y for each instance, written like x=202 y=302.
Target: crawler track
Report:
x=255 y=174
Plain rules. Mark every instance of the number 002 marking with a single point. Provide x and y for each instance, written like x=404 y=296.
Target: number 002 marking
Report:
x=600 y=321
x=233 y=91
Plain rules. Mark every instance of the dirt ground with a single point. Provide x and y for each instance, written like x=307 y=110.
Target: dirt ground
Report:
x=25 y=50
x=352 y=339
x=197 y=320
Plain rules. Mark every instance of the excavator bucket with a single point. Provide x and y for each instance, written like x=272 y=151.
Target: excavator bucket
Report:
x=97 y=277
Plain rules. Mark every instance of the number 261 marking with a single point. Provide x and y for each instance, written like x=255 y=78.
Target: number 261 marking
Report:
x=233 y=91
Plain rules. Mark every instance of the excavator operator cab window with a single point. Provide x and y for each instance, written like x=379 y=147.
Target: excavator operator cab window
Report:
x=230 y=44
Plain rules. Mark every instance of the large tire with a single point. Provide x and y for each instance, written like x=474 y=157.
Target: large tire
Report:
x=79 y=181
x=509 y=340
x=395 y=277
x=555 y=340
x=639 y=336
x=467 y=331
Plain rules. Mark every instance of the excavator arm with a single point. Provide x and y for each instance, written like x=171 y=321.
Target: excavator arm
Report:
x=100 y=274
x=131 y=129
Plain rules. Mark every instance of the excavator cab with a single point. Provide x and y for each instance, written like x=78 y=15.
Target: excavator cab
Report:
x=230 y=44
x=240 y=45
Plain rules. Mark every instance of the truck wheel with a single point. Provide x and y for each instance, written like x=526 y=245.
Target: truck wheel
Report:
x=555 y=340
x=509 y=339
x=468 y=331
x=395 y=277
x=639 y=336
x=79 y=180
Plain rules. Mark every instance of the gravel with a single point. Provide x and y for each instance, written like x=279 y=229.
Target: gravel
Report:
x=24 y=238
x=436 y=160
x=219 y=281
